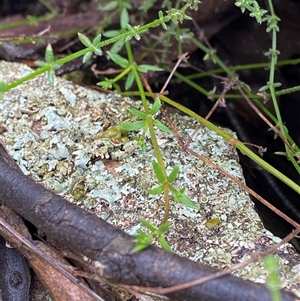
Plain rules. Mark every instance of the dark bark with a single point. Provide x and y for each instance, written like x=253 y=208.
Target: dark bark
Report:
x=84 y=232
x=15 y=278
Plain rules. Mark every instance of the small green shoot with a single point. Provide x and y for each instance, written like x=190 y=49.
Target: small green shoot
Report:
x=178 y=194
x=273 y=281
x=92 y=45
x=50 y=61
x=143 y=123
x=144 y=239
x=253 y=7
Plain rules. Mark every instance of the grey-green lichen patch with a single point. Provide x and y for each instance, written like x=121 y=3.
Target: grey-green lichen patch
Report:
x=59 y=137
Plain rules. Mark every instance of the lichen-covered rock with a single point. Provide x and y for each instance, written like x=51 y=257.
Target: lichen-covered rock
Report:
x=65 y=137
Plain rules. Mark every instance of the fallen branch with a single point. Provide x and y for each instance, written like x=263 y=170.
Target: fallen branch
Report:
x=110 y=249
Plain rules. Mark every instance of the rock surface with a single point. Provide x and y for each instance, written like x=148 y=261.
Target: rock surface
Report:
x=64 y=137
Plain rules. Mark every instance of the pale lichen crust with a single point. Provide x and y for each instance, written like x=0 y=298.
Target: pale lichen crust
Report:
x=59 y=137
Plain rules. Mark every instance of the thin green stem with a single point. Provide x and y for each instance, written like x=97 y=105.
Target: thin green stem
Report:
x=272 y=22
x=149 y=122
x=191 y=83
x=122 y=74
x=211 y=54
x=243 y=67
x=46 y=17
x=260 y=105
x=287 y=91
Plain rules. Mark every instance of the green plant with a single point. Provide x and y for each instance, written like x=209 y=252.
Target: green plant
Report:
x=253 y=7
x=49 y=61
x=144 y=239
x=273 y=280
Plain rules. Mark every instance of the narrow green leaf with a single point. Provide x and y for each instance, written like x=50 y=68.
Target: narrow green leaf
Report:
x=263 y=88
x=163 y=20
x=40 y=63
x=129 y=80
x=108 y=6
x=161 y=126
x=140 y=235
x=3 y=86
x=269 y=52
x=97 y=51
x=139 y=247
x=106 y=84
x=141 y=142
x=132 y=126
x=32 y=20
x=276 y=85
x=143 y=240
x=84 y=40
x=157 y=190
x=180 y=197
x=117 y=46
x=97 y=40
x=124 y=18
x=146 y=68
x=137 y=113
x=160 y=176
x=49 y=55
x=147 y=224
x=111 y=33
x=51 y=77
x=87 y=56
x=134 y=32
x=119 y=60
x=156 y=106
x=164 y=244
x=55 y=66
x=173 y=175
x=163 y=227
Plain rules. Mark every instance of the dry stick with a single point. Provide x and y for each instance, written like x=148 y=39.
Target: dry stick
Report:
x=254 y=257
x=261 y=150
x=110 y=248
x=20 y=240
x=217 y=103
x=137 y=294
x=180 y=59
x=23 y=37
